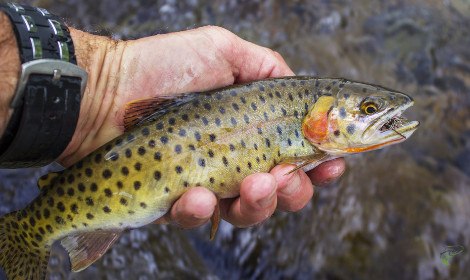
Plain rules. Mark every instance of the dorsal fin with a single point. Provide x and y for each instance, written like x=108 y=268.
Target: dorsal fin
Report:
x=48 y=179
x=144 y=110
x=86 y=247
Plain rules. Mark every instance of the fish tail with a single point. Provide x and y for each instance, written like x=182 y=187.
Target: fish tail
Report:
x=22 y=255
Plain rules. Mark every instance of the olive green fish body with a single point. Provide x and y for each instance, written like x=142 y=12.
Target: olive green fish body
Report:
x=212 y=139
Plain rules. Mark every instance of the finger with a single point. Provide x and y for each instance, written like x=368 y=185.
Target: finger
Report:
x=327 y=171
x=193 y=209
x=256 y=203
x=294 y=190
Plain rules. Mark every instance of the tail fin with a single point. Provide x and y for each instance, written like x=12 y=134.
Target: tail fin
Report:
x=23 y=254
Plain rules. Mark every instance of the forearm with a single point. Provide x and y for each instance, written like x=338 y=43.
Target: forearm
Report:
x=9 y=68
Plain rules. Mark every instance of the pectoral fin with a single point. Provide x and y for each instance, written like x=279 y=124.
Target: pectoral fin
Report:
x=301 y=162
x=215 y=220
x=87 y=247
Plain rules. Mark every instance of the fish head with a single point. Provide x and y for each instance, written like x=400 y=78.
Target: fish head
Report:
x=357 y=118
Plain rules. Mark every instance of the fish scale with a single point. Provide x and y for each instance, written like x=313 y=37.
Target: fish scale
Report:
x=212 y=139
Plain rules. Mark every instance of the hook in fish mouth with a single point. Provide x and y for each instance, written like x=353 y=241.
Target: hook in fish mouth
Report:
x=392 y=126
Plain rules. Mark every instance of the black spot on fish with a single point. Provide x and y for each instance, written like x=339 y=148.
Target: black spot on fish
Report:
x=222 y=110
x=291 y=98
x=182 y=132
x=179 y=169
x=233 y=93
x=130 y=137
x=260 y=131
x=296 y=114
x=202 y=162
x=289 y=142
x=279 y=130
x=238 y=169
x=157 y=156
x=107 y=174
x=243 y=100
x=74 y=208
x=328 y=88
x=46 y=213
x=89 y=216
x=212 y=137
x=243 y=144
x=297 y=134
x=217 y=121
x=235 y=106
x=60 y=191
x=351 y=128
x=137 y=185
x=172 y=121
x=284 y=112
x=167 y=190
x=255 y=146
x=159 y=126
x=270 y=94
x=32 y=221
x=178 y=149
x=197 y=136
x=191 y=147
x=145 y=131
x=317 y=83
x=265 y=116
x=125 y=171
x=346 y=95
x=272 y=108
x=70 y=191
x=128 y=153
x=211 y=180
x=59 y=220
x=253 y=106
x=283 y=84
x=249 y=165
x=205 y=121
x=108 y=192
x=268 y=143
x=261 y=88
x=60 y=206
x=151 y=143
x=89 y=201
x=164 y=139
x=123 y=201
x=225 y=161
x=246 y=119
x=184 y=117
x=93 y=187
x=157 y=175
x=232 y=147
x=261 y=98
x=138 y=166
x=70 y=178
x=336 y=133
x=233 y=121
x=106 y=209
x=210 y=153
x=185 y=184
x=342 y=112
x=278 y=94
x=50 y=201
x=141 y=150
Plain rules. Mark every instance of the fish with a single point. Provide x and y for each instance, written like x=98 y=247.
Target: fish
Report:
x=212 y=139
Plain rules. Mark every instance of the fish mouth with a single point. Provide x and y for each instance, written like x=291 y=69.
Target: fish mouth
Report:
x=391 y=127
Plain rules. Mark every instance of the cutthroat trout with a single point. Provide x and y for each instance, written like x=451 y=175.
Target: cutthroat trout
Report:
x=212 y=139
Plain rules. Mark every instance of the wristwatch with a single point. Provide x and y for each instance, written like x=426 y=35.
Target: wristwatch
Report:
x=46 y=103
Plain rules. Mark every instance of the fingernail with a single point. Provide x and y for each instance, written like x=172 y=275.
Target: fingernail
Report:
x=335 y=171
x=292 y=186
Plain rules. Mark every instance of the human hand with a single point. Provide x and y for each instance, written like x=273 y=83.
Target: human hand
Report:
x=195 y=60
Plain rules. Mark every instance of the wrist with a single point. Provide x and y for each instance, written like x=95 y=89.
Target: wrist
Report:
x=9 y=69
x=100 y=57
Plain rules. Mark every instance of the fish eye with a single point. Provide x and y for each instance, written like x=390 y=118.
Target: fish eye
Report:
x=369 y=108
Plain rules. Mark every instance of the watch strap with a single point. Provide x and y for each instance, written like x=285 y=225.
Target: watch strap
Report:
x=46 y=103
